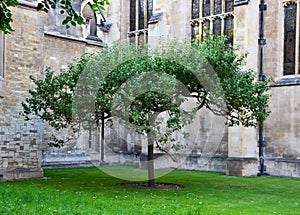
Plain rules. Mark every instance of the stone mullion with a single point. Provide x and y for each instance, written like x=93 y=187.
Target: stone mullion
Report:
x=200 y=19
x=222 y=25
x=145 y=37
x=136 y=35
x=145 y=14
x=211 y=24
x=137 y=9
x=223 y=6
x=201 y=9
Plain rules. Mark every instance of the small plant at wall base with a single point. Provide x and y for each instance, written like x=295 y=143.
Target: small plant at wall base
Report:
x=138 y=85
x=65 y=7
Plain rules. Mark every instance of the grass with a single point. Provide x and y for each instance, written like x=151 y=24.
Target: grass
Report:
x=89 y=191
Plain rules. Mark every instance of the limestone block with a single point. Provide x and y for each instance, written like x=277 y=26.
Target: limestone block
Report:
x=241 y=166
x=242 y=142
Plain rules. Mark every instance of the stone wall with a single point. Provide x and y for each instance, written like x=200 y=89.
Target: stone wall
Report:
x=59 y=50
x=29 y=50
x=20 y=141
x=282 y=127
x=282 y=132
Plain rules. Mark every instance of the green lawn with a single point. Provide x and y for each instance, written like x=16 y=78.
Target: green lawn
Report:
x=89 y=191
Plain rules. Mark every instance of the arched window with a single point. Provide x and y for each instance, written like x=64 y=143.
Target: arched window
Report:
x=91 y=21
x=212 y=16
x=291 y=26
x=140 y=13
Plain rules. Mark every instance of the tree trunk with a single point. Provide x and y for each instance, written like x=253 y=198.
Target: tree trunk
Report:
x=151 y=138
x=151 y=182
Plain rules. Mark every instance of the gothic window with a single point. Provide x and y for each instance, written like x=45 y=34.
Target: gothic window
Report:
x=216 y=16
x=290 y=62
x=140 y=13
x=91 y=21
x=2 y=54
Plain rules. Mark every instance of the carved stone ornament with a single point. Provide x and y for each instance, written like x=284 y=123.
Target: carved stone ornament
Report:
x=194 y=22
x=286 y=3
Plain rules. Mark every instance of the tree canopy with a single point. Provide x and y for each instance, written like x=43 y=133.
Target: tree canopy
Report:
x=136 y=85
x=65 y=7
x=244 y=97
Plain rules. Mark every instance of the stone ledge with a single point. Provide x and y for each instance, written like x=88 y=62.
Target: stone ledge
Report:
x=285 y=160
x=155 y=18
x=240 y=2
x=20 y=174
x=286 y=82
x=68 y=164
x=200 y=162
x=27 y=4
x=56 y=34
x=241 y=159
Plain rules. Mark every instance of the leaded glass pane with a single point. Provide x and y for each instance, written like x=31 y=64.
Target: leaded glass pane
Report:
x=206 y=8
x=195 y=9
x=228 y=5
x=195 y=32
x=290 y=14
x=218 y=7
x=141 y=40
x=141 y=15
x=132 y=39
x=205 y=29
x=132 y=15
x=228 y=29
x=217 y=26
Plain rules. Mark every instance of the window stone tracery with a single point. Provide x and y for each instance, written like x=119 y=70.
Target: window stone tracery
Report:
x=140 y=13
x=215 y=16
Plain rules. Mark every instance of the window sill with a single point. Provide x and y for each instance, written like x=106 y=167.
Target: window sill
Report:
x=86 y=41
x=94 y=38
x=288 y=81
x=155 y=18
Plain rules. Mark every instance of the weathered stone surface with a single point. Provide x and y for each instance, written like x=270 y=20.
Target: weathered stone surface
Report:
x=40 y=40
x=244 y=166
x=20 y=141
